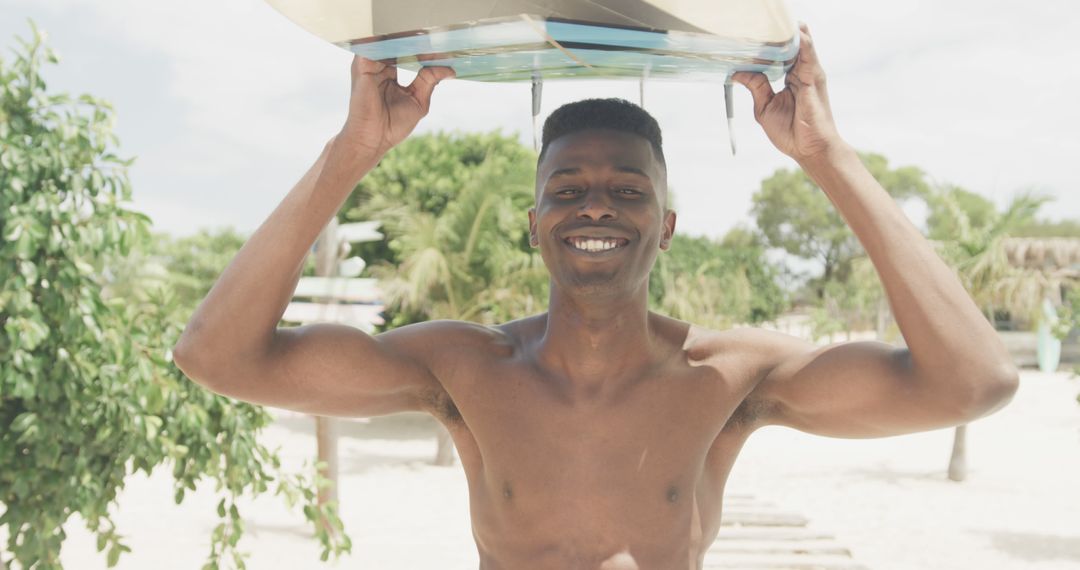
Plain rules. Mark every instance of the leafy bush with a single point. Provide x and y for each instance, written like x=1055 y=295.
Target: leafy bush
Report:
x=88 y=391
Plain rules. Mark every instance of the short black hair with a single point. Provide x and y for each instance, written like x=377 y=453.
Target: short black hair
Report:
x=613 y=114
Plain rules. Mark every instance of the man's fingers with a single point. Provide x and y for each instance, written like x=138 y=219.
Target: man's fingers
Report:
x=365 y=66
x=808 y=57
x=806 y=48
x=759 y=88
x=436 y=73
x=424 y=83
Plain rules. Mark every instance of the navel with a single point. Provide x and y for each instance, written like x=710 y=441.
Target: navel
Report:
x=672 y=494
x=507 y=492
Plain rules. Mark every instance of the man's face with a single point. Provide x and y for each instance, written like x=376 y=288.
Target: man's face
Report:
x=600 y=217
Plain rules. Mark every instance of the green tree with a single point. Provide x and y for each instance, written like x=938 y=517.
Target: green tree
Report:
x=88 y=391
x=942 y=221
x=795 y=215
x=424 y=174
x=857 y=303
x=466 y=262
x=717 y=284
x=188 y=265
x=972 y=232
x=1046 y=228
x=453 y=212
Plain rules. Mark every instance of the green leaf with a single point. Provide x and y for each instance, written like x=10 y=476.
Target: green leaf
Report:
x=114 y=555
x=23 y=421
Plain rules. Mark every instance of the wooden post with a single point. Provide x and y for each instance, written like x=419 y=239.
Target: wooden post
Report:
x=326 y=260
x=958 y=461
x=882 y=321
x=444 y=442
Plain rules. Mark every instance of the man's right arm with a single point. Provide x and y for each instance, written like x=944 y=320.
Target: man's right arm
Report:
x=232 y=344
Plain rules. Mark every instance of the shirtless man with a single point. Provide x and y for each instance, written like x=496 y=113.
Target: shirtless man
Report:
x=600 y=435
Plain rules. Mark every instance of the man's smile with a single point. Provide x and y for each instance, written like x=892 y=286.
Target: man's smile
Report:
x=596 y=244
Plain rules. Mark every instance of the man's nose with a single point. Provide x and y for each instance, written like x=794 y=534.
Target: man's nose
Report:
x=596 y=207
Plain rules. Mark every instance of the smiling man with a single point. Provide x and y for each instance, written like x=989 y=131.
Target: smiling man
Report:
x=600 y=435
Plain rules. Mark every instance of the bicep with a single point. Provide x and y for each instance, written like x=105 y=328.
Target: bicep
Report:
x=854 y=389
x=336 y=370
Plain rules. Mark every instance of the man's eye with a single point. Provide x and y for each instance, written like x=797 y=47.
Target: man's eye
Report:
x=628 y=191
x=568 y=191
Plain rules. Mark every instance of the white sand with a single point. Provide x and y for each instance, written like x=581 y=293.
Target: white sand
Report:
x=886 y=499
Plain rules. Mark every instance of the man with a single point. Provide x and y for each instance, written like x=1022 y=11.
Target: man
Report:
x=599 y=434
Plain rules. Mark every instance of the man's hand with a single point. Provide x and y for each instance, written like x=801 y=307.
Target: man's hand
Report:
x=381 y=112
x=798 y=119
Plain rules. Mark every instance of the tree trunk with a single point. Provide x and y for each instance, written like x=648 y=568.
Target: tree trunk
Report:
x=444 y=454
x=326 y=260
x=882 y=318
x=958 y=461
x=326 y=438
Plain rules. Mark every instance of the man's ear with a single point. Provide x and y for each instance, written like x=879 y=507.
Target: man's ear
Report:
x=668 y=230
x=534 y=239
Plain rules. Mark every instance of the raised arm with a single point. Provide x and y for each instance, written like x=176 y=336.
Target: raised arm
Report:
x=232 y=344
x=955 y=367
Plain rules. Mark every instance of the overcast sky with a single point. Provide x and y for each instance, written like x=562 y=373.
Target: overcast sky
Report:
x=225 y=103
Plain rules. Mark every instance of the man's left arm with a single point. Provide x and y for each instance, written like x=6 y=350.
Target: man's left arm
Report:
x=955 y=367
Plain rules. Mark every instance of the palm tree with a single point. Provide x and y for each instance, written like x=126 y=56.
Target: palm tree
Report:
x=701 y=297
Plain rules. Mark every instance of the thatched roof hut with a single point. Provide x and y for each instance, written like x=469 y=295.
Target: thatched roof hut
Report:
x=1054 y=254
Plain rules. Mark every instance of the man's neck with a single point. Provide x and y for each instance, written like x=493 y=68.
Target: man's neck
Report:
x=596 y=342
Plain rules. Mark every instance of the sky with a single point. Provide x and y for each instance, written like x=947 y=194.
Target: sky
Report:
x=225 y=103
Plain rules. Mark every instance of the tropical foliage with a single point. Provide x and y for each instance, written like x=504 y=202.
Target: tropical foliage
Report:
x=793 y=214
x=972 y=235
x=717 y=284
x=453 y=209
x=88 y=392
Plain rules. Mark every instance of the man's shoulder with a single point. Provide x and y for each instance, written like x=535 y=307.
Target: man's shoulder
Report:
x=745 y=355
x=435 y=334
x=467 y=338
x=744 y=342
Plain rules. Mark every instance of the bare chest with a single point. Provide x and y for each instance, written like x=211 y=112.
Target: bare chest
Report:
x=589 y=477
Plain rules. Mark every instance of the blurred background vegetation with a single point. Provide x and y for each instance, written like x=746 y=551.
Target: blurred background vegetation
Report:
x=92 y=300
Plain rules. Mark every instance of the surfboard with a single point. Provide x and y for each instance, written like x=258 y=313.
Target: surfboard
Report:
x=527 y=40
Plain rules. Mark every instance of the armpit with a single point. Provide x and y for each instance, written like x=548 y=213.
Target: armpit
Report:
x=751 y=413
x=438 y=403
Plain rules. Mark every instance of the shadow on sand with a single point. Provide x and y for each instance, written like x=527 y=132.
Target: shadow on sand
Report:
x=301 y=530
x=1035 y=547
x=897 y=477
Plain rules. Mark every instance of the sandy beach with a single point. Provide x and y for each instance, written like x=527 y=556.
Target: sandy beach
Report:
x=888 y=500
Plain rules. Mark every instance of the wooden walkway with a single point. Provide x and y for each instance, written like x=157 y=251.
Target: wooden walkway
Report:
x=757 y=534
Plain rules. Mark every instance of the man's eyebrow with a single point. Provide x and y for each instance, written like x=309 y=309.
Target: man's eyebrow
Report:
x=631 y=170
x=570 y=171
x=566 y=172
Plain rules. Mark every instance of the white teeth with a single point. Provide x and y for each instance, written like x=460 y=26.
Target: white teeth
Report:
x=594 y=245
